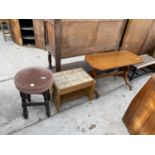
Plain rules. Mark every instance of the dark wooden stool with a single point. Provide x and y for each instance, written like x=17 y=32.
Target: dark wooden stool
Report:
x=34 y=80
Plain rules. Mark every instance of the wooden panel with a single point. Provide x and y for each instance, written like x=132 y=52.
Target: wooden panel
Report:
x=149 y=126
x=38 y=25
x=149 y=44
x=50 y=36
x=136 y=35
x=81 y=37
x=139 y=115
x=16 y=32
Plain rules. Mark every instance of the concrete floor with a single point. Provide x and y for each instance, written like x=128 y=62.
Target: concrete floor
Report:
x=102 y=116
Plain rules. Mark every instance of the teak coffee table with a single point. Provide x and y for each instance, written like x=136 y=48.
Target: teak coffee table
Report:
x=120 y=60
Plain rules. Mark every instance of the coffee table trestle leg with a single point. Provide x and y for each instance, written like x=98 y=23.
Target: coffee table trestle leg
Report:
x=125 y=76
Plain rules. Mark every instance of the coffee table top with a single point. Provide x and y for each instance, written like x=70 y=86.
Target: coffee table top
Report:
x=111 y=60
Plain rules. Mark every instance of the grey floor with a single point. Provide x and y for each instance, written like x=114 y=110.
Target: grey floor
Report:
x=100 y=116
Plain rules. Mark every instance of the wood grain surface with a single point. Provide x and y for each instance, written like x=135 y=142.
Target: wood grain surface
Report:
x=111 y=60
x=140 y=115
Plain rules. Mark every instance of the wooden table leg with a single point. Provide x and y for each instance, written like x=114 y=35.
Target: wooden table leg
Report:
x=57 y=100
x=90 y=92
x=94 y=75
x=125 y=76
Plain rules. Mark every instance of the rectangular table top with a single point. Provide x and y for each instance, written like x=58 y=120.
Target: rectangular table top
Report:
x=111 y=60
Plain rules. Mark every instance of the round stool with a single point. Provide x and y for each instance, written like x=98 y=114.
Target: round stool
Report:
x=34 y=80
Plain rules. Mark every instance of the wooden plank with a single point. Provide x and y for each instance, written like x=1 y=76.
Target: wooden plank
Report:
x=38 y=26
x=80 y=37
x=15 y=30
x=50 y=36
x=58 y=40
x=136 y=35
x=149 y=44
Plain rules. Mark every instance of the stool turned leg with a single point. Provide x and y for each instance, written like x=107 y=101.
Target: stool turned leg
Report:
x=29 y=98
x=49 y=95
x=24 y=106
x=49 y=60
x=46 y=99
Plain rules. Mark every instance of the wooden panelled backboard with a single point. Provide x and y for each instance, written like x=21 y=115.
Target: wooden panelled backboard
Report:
x=139 y=36
x=80 y=37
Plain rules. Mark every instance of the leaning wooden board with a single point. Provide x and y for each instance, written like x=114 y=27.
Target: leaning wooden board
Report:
x=38 y=26
x=139 y=36
x=15 y=30
x=81 y=37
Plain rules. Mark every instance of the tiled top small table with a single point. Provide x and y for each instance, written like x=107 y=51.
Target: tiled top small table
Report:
x=75 y=80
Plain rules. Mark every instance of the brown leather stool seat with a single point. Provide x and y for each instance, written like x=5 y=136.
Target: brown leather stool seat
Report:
x=34 y=80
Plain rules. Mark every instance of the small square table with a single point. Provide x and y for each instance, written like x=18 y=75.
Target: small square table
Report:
x=67 y=82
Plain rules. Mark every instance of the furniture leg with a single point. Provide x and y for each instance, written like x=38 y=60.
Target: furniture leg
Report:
x=90 y=92
x=29 y=98
x=24 y=106
x=57 y=101
x=46 y=99
x=133 y=73
x=125 y=76
x=93 y=73
x=58 y=64
x=49 y=60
